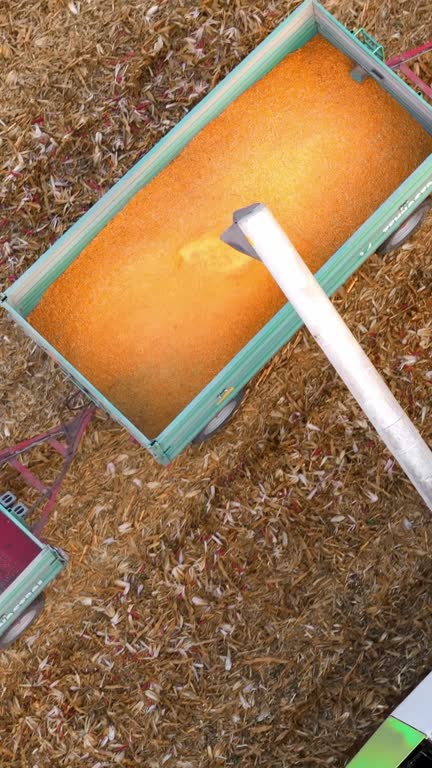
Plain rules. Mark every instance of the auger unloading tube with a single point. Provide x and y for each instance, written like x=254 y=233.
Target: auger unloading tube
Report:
x=261 y=236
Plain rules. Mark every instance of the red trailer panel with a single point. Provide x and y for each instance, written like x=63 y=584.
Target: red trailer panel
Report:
x=17 y=550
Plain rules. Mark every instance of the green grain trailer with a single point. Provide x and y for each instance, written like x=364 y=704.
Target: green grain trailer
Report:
x=386 y=228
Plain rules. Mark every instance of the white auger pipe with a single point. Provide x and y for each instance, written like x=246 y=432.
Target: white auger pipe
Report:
x=275 y=250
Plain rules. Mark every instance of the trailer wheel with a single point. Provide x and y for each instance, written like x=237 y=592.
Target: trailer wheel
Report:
x=218 y=422
x=406 y=229
x=23 y=621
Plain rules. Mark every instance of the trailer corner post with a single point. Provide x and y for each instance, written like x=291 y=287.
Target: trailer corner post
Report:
x=270 y=243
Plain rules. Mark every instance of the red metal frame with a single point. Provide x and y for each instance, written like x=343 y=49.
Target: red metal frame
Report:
x=71 y=432
x=400 y=62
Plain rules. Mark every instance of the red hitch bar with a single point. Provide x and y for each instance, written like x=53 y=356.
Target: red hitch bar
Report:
x=400 y=62
x=71 y=433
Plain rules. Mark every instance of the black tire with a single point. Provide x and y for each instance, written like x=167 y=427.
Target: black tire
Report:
x=404 y=232
x=22 y=623
x=219 y=421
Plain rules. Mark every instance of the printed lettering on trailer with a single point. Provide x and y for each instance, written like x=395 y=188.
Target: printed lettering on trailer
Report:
x=407 y=206
x=24 y=599
x=403 y=209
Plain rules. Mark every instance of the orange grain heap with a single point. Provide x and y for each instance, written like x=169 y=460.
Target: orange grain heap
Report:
x=156 y=304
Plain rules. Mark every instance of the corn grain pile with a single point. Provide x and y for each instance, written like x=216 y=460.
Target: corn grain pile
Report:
x=156 y=305
x=266 y=599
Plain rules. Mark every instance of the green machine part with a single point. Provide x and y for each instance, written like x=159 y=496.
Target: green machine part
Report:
x=390 y=745
x=27 y=566
x=404 y=740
